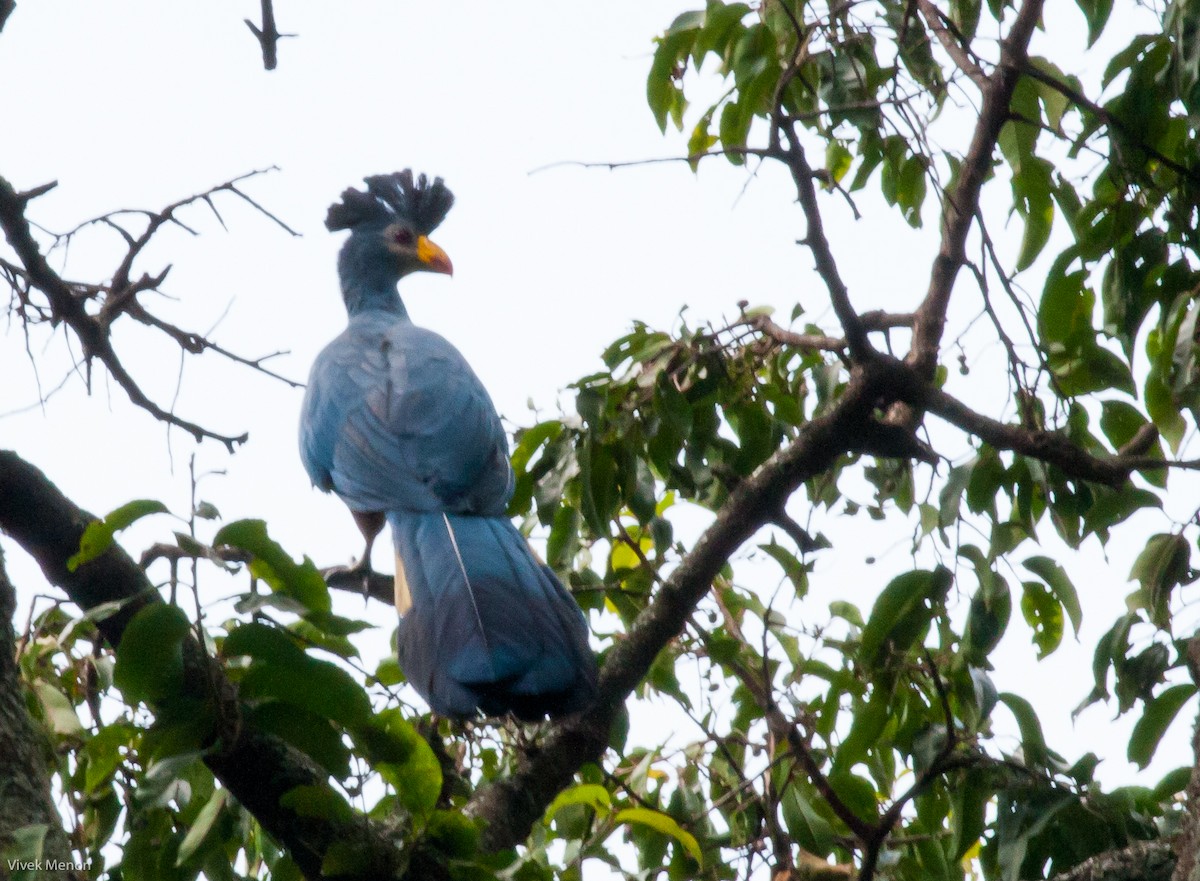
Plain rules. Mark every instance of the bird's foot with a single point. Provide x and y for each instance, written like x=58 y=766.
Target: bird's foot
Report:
x=360 y=576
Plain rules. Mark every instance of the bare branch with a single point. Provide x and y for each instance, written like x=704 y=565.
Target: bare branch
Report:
x=268 y=35
x=67 y=300
x=802 y=176
x=962 y=201
x=952 y=42
x=874 y=320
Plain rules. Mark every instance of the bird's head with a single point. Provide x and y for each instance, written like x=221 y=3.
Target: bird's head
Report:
x=389 y=227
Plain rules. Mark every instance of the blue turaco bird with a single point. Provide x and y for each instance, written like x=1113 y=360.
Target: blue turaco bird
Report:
x=397 y=424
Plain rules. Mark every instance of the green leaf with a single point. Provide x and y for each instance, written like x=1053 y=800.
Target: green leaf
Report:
x=1033 y=742
x=98 y=535
x=664 y=94
x=300 y=581
x=968 y=799
x=59 y=710
x=965 y=16
x=837 y=161
x=902 y=612
x=1060 y=585
x=870 y=718
x=1156 y=719
x=282 y=671
x=404 y=759
x=1044 y=613
x=453 y=834
x=321 y=802
x=660 y=822
x=311 y=733
x=103 y=751
x=1163 y=565
x=149 y=663
x=598 y=479
x=593 y=795
x=796 y=571
x=1065 y=311
x=201 y=826
x=1096 y=12
x=991 y=608
x=810 y=830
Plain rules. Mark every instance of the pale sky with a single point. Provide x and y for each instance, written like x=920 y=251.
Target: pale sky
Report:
x=137 y=104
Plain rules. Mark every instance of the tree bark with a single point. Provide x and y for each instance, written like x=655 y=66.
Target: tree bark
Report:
x=1189 y=832
x=24 y=776
x=1143 y=861
x=257 y=768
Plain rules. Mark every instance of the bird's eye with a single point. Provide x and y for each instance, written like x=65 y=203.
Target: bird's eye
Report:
x=404 y=237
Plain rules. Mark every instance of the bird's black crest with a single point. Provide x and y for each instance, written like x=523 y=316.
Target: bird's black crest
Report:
x=390 y=197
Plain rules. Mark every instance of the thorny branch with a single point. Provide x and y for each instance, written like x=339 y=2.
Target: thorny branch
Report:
x=90 y=310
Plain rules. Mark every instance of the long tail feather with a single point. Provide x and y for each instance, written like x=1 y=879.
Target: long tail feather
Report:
x=490 y=628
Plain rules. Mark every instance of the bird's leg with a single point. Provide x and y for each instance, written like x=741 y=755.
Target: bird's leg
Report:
x=370 y=524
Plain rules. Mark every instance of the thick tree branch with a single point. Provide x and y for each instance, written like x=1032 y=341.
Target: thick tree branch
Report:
x=25 y=798
x=259 y=769
x=1141 y=861
x=6 y=9
x=962 y=201
x=1050 y=447
x=511 y=806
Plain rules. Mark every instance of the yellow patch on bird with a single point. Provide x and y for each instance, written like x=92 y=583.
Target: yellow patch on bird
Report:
x=403 y=595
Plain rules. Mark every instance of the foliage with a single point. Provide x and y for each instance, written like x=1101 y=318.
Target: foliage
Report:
x=862 y=738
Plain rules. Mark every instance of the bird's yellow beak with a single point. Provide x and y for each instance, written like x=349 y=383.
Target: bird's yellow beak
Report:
x=433 y=258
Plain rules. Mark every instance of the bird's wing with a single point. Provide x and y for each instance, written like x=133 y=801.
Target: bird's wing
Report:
x=395 y=419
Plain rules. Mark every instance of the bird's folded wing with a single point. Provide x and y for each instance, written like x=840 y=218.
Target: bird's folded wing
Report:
x=395 y=419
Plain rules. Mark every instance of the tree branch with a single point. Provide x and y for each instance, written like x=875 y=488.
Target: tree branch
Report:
x=959 y=53
x=268 y=35
x=511 y=806
x=962 y=202
x=876 y=320
x=802 y=176
x=258 y=768
x=1112 y=122
x=1140 y=861
x=68 y=300
x=25 y=797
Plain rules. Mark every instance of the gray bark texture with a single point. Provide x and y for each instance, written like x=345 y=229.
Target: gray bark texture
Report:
x=24 y=777
x=1189 y=831
x=1142 y=861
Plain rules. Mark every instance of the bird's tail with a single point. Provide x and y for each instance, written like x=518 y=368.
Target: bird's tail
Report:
x=490 y=627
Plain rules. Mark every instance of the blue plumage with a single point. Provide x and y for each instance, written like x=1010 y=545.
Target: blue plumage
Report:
x=397 y=424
